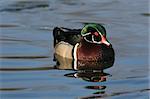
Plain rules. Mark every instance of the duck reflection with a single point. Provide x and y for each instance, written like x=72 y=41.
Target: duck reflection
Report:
x=99 y=90
x=89 y=76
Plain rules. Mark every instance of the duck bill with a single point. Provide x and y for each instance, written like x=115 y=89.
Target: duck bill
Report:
x=104 y=41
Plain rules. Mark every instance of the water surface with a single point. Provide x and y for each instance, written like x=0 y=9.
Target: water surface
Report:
x=26 y=54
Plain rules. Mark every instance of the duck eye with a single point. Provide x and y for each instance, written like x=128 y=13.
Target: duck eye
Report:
x=89 y=37
x=97 y=38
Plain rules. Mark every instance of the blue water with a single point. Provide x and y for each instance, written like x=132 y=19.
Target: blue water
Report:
x=26 y=48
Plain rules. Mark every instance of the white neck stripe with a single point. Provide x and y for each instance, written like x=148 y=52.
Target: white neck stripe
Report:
x=75 y=56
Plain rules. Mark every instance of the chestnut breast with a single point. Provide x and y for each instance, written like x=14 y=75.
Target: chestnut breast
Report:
x=89 y=52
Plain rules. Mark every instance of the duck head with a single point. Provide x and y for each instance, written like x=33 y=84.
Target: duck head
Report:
x=94 y=33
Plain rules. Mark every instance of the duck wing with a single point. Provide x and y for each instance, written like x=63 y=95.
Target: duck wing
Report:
x=71 y=36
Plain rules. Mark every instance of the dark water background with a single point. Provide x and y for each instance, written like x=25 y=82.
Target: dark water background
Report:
x=26 y=48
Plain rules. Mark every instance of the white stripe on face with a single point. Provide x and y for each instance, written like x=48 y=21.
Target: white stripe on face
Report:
x=86 y=34
x=103 y=39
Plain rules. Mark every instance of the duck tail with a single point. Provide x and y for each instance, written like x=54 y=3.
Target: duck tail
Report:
x=56 y=32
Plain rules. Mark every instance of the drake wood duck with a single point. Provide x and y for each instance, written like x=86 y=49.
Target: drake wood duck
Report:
x=83 y=49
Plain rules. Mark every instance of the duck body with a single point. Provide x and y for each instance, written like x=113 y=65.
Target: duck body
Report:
x=75 y=52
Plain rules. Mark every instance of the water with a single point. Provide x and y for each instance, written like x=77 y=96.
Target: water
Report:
x=27 y=49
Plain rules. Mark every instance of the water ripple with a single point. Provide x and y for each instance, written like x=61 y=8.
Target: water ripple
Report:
x=11 y=89
x=23 y=5
x=23 y=57
x=145 y=14
x=8 y=25
x=114 y=94
x=27 y=69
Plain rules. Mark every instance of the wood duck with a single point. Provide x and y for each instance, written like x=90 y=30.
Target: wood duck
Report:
x=83 y=49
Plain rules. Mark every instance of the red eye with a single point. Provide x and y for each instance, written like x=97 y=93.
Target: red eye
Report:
x=96 y=33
